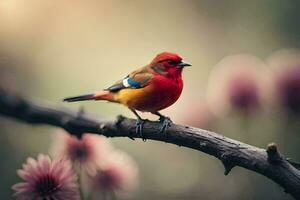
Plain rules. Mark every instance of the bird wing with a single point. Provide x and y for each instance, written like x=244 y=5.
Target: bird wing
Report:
x=137 y=79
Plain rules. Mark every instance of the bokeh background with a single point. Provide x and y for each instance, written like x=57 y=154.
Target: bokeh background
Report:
x=53 y=49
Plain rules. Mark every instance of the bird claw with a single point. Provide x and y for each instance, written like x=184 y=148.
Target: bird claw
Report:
x=139 y=128
x=166 y=122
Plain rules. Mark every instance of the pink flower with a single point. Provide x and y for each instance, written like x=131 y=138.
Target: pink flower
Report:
x=117 y=176
x=46 y=179
x=195 y=113
x=238 y=83
x=288 y=89
x=286 y=65
x=85 y=152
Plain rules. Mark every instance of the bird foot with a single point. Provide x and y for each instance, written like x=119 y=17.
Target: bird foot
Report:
x=166 y=122
x=139 y=127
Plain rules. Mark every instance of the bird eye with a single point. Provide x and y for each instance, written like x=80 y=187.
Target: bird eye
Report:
x=172 y=62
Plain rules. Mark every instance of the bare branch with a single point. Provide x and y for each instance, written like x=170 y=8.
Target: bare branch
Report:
x=232 y=153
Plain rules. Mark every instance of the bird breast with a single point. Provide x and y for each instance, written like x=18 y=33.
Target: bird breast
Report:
x=160 y=93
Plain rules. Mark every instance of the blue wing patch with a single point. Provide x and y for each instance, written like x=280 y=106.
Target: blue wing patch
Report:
x=127 y=82
x=136 y=80
x=133 y=83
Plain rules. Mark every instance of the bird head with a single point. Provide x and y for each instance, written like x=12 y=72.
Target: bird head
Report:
x=169 y=64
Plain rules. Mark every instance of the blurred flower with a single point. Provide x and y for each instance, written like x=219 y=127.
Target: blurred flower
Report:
x=84 y=152
x=289 y=89
x=118 y=176
x=195 y=113
x=46 y=179
x=239 y=83
x=286 y=65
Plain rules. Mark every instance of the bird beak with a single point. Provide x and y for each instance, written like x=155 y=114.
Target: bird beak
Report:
x=183 y=64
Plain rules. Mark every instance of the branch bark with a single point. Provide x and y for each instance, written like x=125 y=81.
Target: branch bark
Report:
x=231 y=153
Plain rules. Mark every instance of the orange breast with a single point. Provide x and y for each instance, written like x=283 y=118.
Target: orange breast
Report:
x=160 y=93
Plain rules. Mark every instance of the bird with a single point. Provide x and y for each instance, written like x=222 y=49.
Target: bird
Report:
x=151 y=88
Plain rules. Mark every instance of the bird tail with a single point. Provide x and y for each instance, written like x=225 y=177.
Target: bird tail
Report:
x=102 y=95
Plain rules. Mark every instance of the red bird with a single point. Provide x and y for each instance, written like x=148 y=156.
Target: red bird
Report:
x=148 y=89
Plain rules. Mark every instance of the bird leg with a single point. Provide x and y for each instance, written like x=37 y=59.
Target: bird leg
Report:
x=166 y=121
x=139 y=124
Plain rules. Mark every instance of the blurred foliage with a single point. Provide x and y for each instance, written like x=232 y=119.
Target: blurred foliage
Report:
x=50 y=50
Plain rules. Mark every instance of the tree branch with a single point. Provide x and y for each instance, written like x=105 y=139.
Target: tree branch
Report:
x=269 y=163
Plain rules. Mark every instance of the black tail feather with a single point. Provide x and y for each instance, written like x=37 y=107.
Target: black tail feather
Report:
x=80 y=98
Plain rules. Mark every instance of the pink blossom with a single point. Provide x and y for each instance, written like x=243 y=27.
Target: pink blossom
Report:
x=46 y=179
x=117 y=176
x=288 y=89
x=286 y=66
x=239 y=83
x=195 y=113
x=85 y=152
